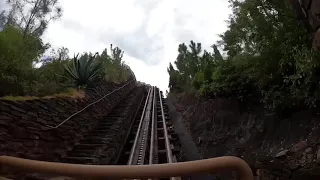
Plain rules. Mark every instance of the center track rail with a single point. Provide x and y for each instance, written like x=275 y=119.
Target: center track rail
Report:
x=152 y=142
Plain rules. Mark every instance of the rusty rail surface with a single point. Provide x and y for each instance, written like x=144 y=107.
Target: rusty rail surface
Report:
x=213 y=165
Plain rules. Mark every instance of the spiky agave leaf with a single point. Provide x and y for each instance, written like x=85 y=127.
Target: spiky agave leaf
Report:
x=84 y=71
x=71 y=68
x=90 y=66
x=93 y=69
x=95 y=73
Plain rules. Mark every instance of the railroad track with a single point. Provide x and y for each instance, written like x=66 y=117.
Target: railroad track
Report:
x=151 y=140
x=148 y=139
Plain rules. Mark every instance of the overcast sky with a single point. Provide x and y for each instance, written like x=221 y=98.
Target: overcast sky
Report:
x=148 y=31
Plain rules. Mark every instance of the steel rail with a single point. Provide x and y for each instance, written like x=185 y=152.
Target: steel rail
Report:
x=139 y=129
x=165 y=133
x=152 y=137
x=153 y=131
x=169 y=153
x=143 y=140
x=213 y=165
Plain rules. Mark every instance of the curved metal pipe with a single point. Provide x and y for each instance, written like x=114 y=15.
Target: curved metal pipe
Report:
x=212 y=165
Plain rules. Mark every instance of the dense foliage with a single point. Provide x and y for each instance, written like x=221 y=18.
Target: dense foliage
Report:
x=268 y=58
x=25 y=71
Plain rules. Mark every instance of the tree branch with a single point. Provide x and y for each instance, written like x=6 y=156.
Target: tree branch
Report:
x=33 y=12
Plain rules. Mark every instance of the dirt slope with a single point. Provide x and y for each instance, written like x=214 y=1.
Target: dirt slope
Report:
x=274 y=147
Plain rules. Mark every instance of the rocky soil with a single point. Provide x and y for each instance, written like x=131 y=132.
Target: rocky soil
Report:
x=25 y=125
x=275 y=148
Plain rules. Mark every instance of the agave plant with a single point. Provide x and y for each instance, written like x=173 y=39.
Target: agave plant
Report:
x=84 y=71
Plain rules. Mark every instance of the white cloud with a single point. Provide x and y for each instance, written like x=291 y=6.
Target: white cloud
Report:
x=3 y=5
x=149 y=31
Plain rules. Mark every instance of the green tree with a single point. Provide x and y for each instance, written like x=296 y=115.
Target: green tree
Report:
x=268 y=58
x=17 y=57
x=20 y=45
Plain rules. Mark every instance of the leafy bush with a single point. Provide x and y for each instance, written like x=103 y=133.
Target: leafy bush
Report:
x=198 y=80
x=19 y=76
x=22 y=51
